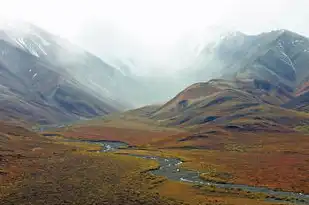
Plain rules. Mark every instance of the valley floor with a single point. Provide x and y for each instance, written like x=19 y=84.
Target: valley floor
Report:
x=42 y=170
x=34 y=170
x=275 y=160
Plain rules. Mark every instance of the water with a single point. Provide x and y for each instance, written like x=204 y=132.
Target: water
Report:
x=170 y=168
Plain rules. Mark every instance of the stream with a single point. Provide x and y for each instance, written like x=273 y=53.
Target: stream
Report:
x=170 y=168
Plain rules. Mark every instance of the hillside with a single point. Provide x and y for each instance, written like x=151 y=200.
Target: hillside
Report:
x=38 y=170
x=33 y=89
x=231 y=131
x=245 y=128
x=279 y=56
x=248 y=105
x=46 y=79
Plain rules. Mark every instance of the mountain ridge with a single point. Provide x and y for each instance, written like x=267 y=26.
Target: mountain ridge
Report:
x=37 y=87
x=49 y=68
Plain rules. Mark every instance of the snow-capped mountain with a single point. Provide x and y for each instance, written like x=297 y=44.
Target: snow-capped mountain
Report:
x=56 y=80
x=45 y=75
x=108 y=78
x=279 y=56
x=45 y=78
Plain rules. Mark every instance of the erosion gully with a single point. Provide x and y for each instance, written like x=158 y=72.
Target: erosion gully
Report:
x=171 y=169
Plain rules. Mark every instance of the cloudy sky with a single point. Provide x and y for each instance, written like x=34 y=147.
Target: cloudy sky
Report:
x=161 y=18
x=155 y=24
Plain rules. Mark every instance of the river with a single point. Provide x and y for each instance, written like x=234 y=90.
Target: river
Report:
x=171 y=169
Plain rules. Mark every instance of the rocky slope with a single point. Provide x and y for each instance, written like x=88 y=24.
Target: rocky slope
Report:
x=279 y=56
x=46 y=79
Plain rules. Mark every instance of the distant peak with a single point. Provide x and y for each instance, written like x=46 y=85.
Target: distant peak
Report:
x=231 y=35
x=285 y=32
x=236 y=33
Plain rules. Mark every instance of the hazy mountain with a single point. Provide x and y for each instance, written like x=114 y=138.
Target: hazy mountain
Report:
x=260 y=76
x=46 y=79
x=281 y=57
x=247 y=105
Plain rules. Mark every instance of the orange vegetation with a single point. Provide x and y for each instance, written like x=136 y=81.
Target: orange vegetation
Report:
x=277 y=159
x=35 y=170
x=38 y=170
x=193 y=195
x=272 y=160
x=128 y=135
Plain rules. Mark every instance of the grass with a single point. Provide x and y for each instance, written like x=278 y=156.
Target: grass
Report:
x=212 y=175
x=42 y=171
x=132 y=133
x=208 y=195
x=270 y=159
x=302 y=128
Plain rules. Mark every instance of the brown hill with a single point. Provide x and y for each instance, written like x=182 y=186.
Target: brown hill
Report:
x=245 y=105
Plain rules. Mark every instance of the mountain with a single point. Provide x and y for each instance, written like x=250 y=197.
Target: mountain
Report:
x=300 y=101
x=279 y=56
x=47 y=64
x=85 y=67
x=262 y=78
x=249 y=104
x=46 y=79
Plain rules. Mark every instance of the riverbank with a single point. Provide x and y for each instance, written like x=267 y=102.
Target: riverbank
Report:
x=170 y=168
x=39 y=170
x=274 y=160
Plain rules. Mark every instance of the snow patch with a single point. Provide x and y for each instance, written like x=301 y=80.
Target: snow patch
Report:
x=22 y=44
x=285 y=57
x=32 y=47
x=33 y=52
x=44 y=42
x=18 y=41
x=41 y=49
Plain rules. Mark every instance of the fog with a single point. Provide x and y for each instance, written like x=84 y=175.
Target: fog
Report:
x=156 y=36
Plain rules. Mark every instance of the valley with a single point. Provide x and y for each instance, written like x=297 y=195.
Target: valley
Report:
x=27 y=153
x=78 y=129
x=242 y=157
x=170 y=168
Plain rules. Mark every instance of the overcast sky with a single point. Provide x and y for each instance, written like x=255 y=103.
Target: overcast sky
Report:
x=156 y=23
x=149 y=19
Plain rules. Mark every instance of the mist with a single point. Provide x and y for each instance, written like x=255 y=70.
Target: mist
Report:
x=156 y=37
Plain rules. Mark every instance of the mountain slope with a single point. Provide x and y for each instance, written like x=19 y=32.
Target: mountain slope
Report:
x=278 y=56
x=89 y=70
x=300 y=102
x=244 y=104
x=42 y=78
